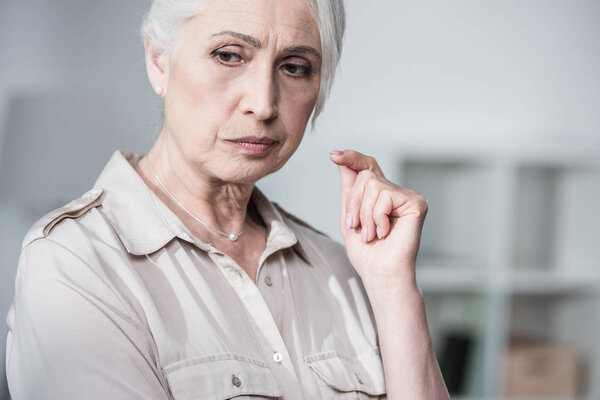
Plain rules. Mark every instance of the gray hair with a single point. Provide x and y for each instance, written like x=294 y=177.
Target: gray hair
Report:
x=163 y=25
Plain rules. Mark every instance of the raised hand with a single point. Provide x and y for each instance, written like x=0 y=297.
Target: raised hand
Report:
x=381 y=222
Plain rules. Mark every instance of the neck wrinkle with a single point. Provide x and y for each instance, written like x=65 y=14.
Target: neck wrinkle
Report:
x=220 y=204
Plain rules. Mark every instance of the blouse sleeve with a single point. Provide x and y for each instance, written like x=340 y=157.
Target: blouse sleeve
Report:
x=72 y=337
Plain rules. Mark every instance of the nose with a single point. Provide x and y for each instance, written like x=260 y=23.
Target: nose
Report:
x=261 y=94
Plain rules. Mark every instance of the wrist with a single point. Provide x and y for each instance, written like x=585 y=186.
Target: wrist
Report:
x=397 y=278
x=385 y=288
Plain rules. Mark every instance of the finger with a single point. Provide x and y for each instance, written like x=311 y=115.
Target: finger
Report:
x=381 y=213
x=357 y=161
x=371 y=192
x=412 y=215
x=347 y=179
x=355 y=198
x=347 y=175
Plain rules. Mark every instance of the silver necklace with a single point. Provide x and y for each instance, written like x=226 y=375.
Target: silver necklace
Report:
x=231 y=236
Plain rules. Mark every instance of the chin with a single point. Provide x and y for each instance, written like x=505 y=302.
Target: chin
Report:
x=245 y=174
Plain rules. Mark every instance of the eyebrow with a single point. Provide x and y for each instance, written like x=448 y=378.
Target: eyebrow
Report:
x=303 y=49
x=254 y=42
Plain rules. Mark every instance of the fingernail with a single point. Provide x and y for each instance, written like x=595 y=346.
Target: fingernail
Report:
x=364 y=234
x=336 y=152
x=348 y=221
x=379 y=232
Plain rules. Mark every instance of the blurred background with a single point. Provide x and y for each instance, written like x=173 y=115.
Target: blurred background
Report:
x=490 y=109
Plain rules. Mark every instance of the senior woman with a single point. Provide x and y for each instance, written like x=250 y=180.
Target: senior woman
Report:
x=175 y=278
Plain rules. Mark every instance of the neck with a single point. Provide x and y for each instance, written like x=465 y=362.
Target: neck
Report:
x=219 y=204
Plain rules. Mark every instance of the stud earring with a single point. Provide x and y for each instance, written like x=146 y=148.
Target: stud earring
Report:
x=159 y=91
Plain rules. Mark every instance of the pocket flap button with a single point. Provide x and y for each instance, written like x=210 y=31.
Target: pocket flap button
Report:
x=358 y=379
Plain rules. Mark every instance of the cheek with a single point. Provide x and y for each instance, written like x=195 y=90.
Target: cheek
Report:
x=296 y=106
x=197 y=104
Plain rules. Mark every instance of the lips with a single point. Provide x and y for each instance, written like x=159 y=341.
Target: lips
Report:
x=254 y=144
x=254 y=139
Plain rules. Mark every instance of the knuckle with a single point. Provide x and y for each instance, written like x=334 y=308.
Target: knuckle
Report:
x=372 y=184
x=422 y=206
x=383 y=200
x=373 y=162
x=385 y=193
x=380 y=217
x=365 y=174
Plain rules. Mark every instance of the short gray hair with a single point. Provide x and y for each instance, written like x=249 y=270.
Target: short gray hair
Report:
x=163 y=25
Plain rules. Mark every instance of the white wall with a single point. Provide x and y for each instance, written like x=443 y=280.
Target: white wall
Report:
x=470 y=73
x=69 y=45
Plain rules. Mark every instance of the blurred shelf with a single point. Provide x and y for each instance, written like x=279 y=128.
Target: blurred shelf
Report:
x=451 y=279
x=546 y=282
x=510 y=249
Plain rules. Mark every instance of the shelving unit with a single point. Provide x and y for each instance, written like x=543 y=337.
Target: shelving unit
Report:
x=510 y=251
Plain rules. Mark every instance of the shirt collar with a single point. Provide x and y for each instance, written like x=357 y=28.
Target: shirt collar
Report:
x=145 y=224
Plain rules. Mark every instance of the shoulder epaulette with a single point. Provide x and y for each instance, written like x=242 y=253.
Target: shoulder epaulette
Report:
x=72 y=209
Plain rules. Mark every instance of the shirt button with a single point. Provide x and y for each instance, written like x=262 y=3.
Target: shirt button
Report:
x=358 y=379
x=277 y=357
x=268 y=281
x=236 y=381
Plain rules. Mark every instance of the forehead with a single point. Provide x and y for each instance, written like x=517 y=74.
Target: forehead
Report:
x=267 y=20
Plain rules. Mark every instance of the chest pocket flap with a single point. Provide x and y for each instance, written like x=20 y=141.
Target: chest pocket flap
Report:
x=221 y=377
x=348 y=374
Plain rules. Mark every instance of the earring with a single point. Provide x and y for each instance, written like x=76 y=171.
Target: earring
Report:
x=159 y=91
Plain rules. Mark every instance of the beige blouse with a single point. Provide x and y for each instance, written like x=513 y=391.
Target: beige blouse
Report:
x=116 y=299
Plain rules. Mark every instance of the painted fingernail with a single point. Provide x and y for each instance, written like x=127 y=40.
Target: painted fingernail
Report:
x=336 y=152
x=348 y=221
x=379 y=232
x=364 y=234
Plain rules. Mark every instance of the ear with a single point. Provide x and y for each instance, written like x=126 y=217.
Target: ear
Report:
x=157 y=67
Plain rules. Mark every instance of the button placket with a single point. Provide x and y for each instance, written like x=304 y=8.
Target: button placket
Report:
x=257 y=308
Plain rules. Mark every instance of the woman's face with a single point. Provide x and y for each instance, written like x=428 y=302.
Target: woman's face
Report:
x=241 y=87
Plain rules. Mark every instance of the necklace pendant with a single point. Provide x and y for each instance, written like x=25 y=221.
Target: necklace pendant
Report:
x=233 y=237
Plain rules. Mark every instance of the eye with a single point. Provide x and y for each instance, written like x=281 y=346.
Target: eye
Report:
x=227 y=57
x=297 y=70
